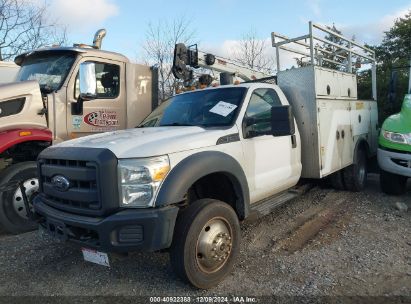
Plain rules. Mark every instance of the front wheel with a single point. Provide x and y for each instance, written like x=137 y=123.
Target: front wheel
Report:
x=206 y=242
x=13 y=215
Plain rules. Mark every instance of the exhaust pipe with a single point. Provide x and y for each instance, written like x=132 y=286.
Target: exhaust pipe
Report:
x=98 y=37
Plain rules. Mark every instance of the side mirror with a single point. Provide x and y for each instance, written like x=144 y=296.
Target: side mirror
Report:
x=88 y=82
x=87 y=86
x=282 y=121
x=249 y=121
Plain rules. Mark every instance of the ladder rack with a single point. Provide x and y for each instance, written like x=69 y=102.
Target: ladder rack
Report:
x=340 y=55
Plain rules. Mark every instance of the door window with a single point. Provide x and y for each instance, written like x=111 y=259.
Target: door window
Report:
x=108 y=81
x=257 y=119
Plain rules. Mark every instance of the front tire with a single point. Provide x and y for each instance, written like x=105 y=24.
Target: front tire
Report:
x=392 y=184
x=206 y=243
x=12 y=211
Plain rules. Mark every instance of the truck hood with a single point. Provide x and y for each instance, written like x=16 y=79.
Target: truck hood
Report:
x=20 y=103
x=147 y=142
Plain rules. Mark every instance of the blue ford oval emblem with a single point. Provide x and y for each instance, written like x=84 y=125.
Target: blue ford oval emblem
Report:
x=60 y=183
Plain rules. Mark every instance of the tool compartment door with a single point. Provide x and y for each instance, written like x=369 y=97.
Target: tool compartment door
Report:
x=326 y=83
x=364 y=119
x=334 y=127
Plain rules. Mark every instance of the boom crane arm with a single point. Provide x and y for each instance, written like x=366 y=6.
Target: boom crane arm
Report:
x=187 y=58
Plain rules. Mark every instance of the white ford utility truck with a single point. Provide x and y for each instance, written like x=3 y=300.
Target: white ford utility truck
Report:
x=43 y=107
x=201 y=163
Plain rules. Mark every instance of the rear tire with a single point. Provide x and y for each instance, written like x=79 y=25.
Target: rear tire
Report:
x=11 y=203
x=206 y=243
x=355 y=176
x=393 y=184
x=337 y=181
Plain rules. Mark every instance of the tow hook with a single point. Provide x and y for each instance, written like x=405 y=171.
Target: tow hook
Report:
x=30 y=214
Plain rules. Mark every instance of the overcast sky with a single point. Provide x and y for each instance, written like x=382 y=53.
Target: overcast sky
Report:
x=220 y=22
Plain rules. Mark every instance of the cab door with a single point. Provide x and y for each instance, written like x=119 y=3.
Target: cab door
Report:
x=107 y=112
x=272 y=163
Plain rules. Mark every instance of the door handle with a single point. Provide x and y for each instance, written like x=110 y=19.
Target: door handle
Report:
x=293 y=141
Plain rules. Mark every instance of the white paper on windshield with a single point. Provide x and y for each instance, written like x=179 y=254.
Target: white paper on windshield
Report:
x=223 y=108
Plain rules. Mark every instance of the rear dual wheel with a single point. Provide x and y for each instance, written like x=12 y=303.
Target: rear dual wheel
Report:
x=206 y=243
x=353 y=177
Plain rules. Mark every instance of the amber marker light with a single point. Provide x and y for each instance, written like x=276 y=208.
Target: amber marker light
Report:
x=24 y=133
x=160 y=173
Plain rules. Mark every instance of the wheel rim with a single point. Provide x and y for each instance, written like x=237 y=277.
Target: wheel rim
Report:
x=214 y=245
x=31 y=186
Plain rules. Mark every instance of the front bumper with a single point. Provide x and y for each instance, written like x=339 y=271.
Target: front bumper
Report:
x=395 y=162
x=124 y=231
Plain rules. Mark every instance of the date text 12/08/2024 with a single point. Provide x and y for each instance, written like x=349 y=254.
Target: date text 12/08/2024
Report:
x=204 y=299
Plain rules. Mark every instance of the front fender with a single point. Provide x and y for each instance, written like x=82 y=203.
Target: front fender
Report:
x=196 y=166
x=13 y=137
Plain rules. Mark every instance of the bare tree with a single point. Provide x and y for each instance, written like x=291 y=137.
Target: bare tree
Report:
x=24 y=26
x=334 y=50
x=158 y=48
x=252 y=52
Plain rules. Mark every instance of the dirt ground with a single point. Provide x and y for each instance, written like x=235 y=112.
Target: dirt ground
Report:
x=325 y=243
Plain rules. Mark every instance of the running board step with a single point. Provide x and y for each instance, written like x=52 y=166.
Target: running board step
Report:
x=266 y=206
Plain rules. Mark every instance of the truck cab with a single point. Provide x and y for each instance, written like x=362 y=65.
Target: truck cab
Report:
x=55 y=71
x=394 y=152
x=44 y=107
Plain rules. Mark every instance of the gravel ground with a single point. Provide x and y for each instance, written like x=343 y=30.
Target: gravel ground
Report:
x=325 y=243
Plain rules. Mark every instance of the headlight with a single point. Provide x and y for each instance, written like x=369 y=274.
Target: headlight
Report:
x=397 y=137
x=139 y=180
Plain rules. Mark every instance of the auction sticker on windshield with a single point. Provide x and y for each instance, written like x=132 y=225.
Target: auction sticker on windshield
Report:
x=95 y=257
x=223 y=108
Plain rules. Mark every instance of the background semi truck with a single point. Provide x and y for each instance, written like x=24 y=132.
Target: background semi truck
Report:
x=44 y=107
x=205 y=160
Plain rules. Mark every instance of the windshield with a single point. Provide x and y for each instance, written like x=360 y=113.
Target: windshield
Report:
x=50 y=69
x=205 y=108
